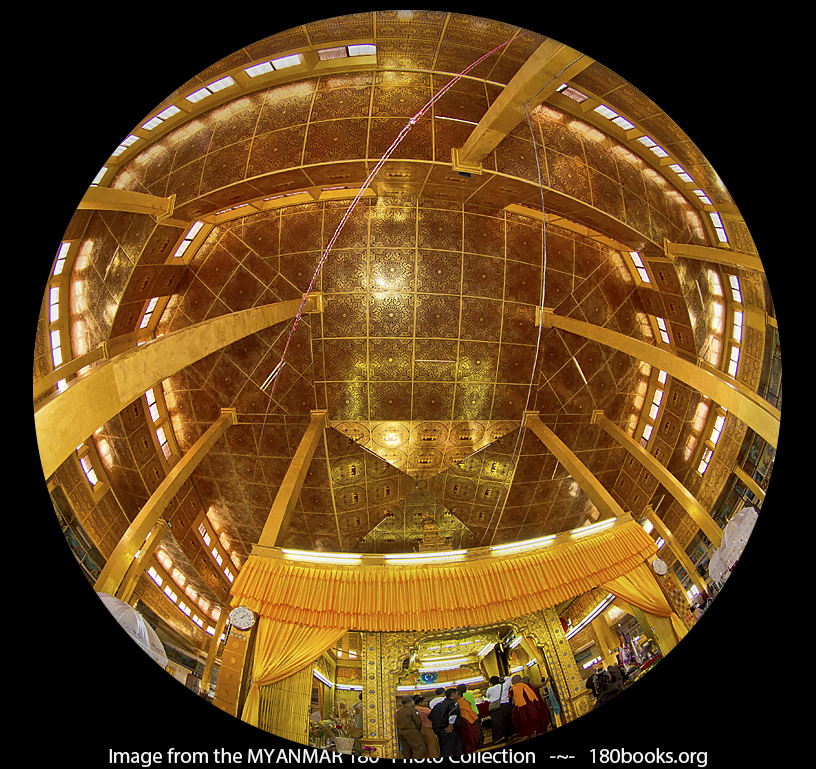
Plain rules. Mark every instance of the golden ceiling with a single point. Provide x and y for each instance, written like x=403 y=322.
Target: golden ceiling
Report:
x=427 y=352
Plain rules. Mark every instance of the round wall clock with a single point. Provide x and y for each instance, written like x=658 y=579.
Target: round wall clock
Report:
x=660 y=567
x=242 y=618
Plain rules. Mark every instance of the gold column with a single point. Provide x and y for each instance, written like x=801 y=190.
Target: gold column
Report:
x=277 y=524
x=676 y=548
x=122 y=557
x=589 y=484
x=212 y=650
x=42 y=386
x=759 y=415
x=576 y=699
x=231 y=673
x=697 y=512
x=68 y=418
x=606 y=645
x=139 y=564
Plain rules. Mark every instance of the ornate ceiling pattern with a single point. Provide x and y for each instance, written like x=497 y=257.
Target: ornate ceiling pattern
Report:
x=427 y=352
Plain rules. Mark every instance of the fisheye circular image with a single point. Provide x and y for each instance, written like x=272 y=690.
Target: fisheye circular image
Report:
x=407 y=385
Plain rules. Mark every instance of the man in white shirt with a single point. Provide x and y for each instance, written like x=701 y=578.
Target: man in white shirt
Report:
x=501 y=718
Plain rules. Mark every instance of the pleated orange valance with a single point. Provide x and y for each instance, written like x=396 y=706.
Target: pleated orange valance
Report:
x=442 y=595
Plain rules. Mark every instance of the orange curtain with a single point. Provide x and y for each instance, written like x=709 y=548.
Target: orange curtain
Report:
x=437 y=596
x=640 y=589
x=282 y=649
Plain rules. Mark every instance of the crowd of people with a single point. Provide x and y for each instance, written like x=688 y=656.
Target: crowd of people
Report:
x=450 y=724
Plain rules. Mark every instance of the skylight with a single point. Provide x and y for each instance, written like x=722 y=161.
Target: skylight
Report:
x=259 y=69
x=639 y=266
x=286 y=61
x=701 y=194
x=719 y=226
x=61 y=255
x=664 y=333
x=209 y=90
x=156 y=121
x=572 y=93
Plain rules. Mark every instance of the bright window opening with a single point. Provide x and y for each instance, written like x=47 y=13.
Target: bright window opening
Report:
x=736 y=291
x=664 y=332
x=719 y=227
x=572 y=93
x=188 y=238
x=61 y=256
x=340 y=52
x=284 y=62
x=87 y=468
x=259 y=69
x=53 y=304
x=639 y=266
x=209 y=90
x=362 y=50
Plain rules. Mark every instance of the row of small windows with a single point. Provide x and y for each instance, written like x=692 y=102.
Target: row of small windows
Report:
x=654 y=409
x=180 y=605
x=653 y=146
x=216 y=554
x=271 y=65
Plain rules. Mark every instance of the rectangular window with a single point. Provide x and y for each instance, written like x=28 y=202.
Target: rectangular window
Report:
x=737 y=333
x=639 y=266
x=87 y=467
x=719 y=227
x=664 y=332
x=53 y=304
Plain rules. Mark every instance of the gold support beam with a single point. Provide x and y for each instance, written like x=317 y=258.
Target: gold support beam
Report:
x=42 y=386
x=676 y=548
x=724 y=256
x=132 y=540
x=111 y=199
x=757 y=413
x=688 y=502
x=68 y=418
x=549 y=66
x=589 y=484
x=277 y=524
x=139 y=564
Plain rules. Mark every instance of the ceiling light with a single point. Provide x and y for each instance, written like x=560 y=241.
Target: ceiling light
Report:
x=592 y=527
x=420 y=557
x=517 y=547
x=349 y=559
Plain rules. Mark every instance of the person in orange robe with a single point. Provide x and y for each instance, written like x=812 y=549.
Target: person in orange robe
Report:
x=468 y=726
x=526 y=715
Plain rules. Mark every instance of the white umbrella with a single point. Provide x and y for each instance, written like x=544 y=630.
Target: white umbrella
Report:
x=134 y=625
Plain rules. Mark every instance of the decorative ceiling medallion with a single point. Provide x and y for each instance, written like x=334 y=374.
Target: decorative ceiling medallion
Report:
x=429 y=434
x=390 y=435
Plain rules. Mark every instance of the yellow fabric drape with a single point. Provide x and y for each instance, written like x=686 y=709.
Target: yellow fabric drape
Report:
x=522 y=694
x=438 y=596
x=282 y=649
x=640 y=589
